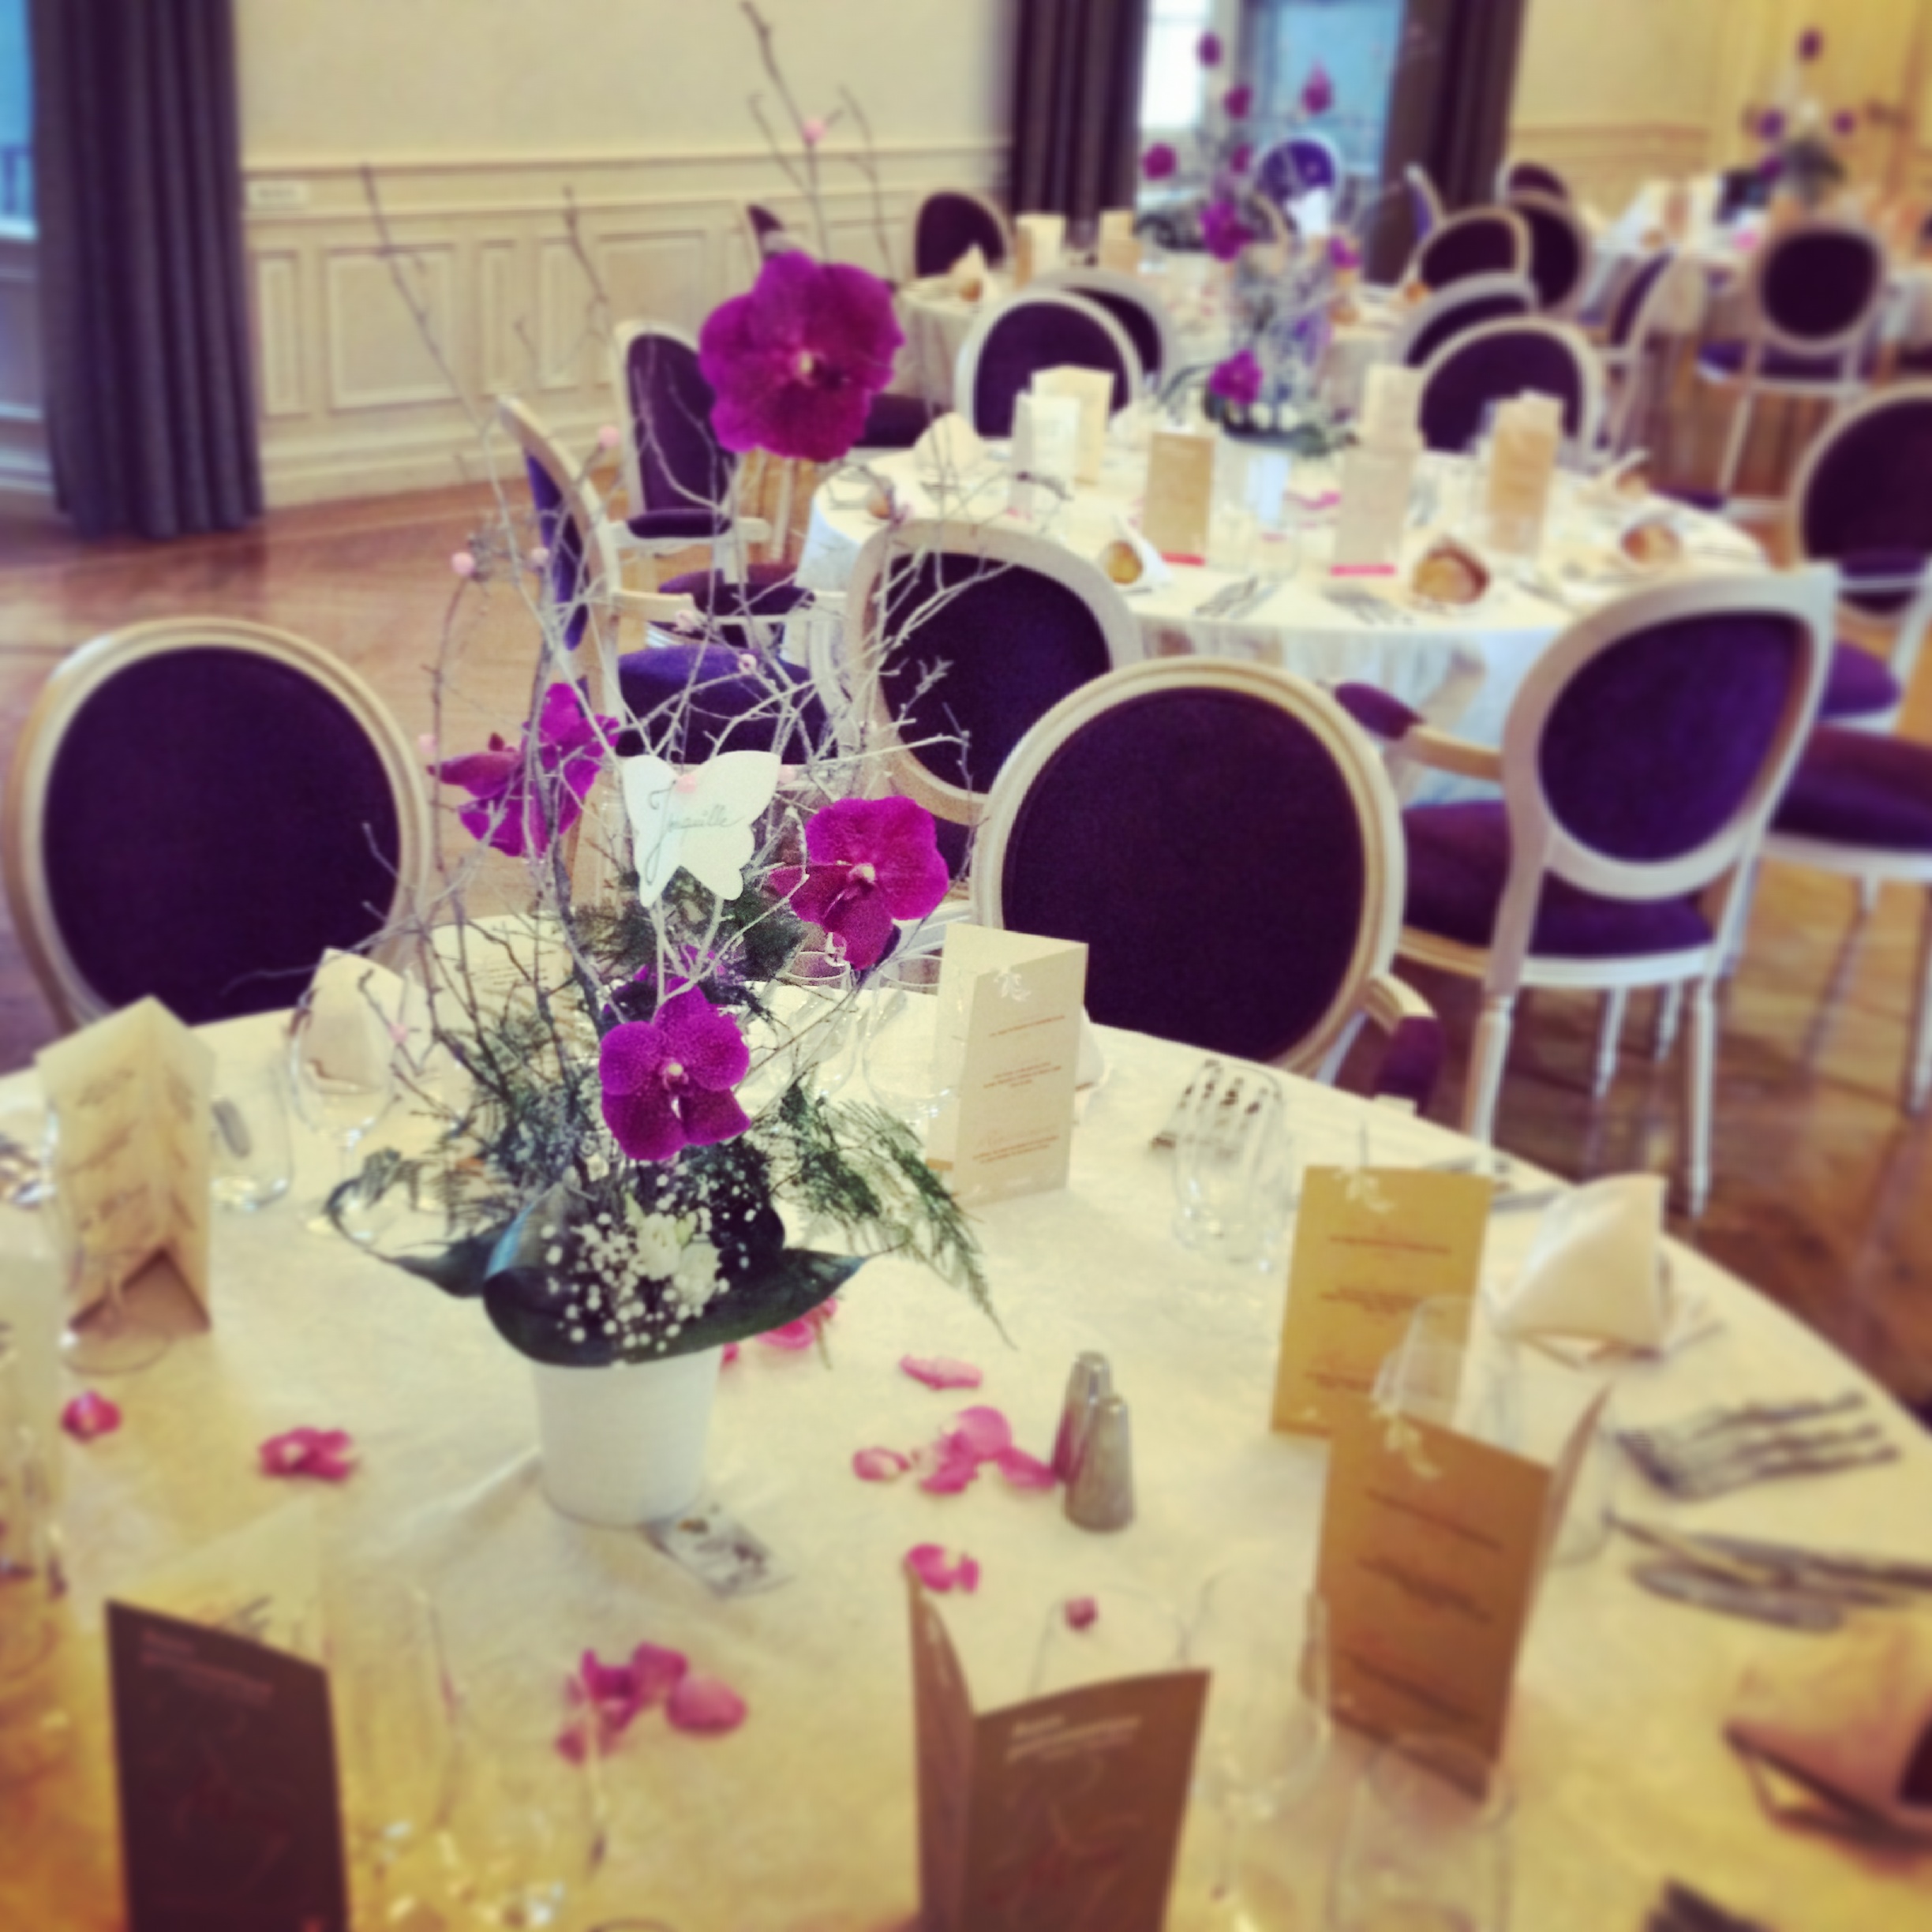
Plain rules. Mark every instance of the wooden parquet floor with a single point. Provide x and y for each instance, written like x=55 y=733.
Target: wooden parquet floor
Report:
x=1822 y=1183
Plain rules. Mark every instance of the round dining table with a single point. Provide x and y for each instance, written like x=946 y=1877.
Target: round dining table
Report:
x=802 y=1819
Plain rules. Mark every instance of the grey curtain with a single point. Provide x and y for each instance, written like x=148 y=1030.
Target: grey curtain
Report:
x=150 y=406
x=1449 y=110
x=1076 y=105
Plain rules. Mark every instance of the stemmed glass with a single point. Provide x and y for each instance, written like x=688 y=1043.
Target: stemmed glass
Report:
x=905 y=1066
x=1229 y=1147
x=1263 y=1637
x=35 y=1730
x=1426 y=1846
x=344 y=1105
x=1112 y=1633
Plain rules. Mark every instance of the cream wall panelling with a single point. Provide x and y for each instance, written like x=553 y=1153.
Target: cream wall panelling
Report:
x=1607 y=162
x=352 y=403
x=26 y=481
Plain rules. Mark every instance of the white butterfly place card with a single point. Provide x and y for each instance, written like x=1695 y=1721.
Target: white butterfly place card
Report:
x=700 y=818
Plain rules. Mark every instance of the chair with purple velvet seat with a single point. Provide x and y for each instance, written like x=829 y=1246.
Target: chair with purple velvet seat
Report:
x=1863 y=500
x=1559 y=250
x=1037 y=329
x=1129 y=301
x=1517 y=177
x=1495 y=362
x=1812 y=297
x=1478 y=242
x=958 y=637
x=1641 y=762
x=1100 y=826
x=1454 y=311
x=952 y=220
x=198 y=809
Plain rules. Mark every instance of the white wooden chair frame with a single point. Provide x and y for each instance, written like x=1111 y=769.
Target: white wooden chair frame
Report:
x=1424 y=191
x=1763 y=335
x=966 y=365
x=728 y=551
x=1564 y=309
x=1452 y=224
x=992 y=208
x=1125 y=288
x=1590 y=370
x=1444 y=302
x=75 y=1001
x=1900 y=634
x=1368 y=990
x=996 y=546
x=1540 y=849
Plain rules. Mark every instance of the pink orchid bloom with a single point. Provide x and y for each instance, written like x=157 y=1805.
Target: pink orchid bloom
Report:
x=1159 y=162
x=869 y=863
x=705 y=1705
x=90 y=1414
x=1024 y=1471
x=941 y=1372
x=939 y=1570
x=608 y=438
x=814 y=131
x=1081 y=1612
x=570 y=752
x=668 y=1080
x=619 y=1693
x=879 y=1465
x=794 y=1336
x=328 y=1453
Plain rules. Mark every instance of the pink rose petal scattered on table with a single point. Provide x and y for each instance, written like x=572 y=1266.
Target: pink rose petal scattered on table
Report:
x=984 y=1431
x=941 y=1372
x=731 y=1353
x=934 y=1567
x=90 y=1414
x=802 y=1334
x=1024 y=1471
x=704 y=1704
x=328 y=1453
x=950 y=1466
x=1082 y=1613
x=879 y=1465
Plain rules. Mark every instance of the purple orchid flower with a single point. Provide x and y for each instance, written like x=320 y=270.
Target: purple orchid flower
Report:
x=1223 y=232
x=502 y=811
x=796 y=363
x=868 y=862
x=1844 y=123
x=1771 y=166
x=668 y=1080
x=1238 y=101
x=1342 y=253
x=1208 y=50
x=1159 y=162
x=1241 y=157
x=1237 y=379
x=1317 y=91
x=1771 y=124
x=1810 y=45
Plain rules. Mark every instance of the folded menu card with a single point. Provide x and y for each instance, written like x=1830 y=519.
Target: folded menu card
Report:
x=1037 y=240
x=224 y=1749
x=1432 y=1544
x=1522 y=471
x=1046 y=446
x=132 y=1094
x=1369 y=1243
x=1180 y=492
x=1062 y=1812
x=1093 y=390
x=1009 y=1040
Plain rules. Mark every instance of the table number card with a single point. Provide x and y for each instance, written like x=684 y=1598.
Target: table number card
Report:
x=132 y=1094
x=1433 y=1545
x=1037 y=240
x=1093 y=390
x=1009 y=1033
x=1180 y=493
x=1064 y=1811
x=1369 y=1243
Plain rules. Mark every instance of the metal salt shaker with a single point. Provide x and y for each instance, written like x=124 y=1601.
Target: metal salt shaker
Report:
x=1101 y=1494
x=1090 y=1381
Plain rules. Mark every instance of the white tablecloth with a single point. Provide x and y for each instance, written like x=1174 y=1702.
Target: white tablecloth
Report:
x=803 y=1820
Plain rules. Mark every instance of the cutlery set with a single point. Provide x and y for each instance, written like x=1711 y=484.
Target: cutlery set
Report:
x=1721 y=1450
x=1367 y=608
x=1236 y=599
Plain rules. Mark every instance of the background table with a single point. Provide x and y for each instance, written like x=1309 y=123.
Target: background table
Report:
x=802 y=1820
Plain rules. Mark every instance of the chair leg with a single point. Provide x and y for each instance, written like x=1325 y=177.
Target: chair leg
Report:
x=1919 y=1073
x=1747 y=895
x=1486 y=1055
x=1669 y=1011
x=1609 y=1036
x=1700 y=1059
x=1734 y=446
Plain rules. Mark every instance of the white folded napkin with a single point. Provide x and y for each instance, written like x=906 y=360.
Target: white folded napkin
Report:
x=359 y=1013
x=1596 y=1268
x=967 y=275
x=951 y=446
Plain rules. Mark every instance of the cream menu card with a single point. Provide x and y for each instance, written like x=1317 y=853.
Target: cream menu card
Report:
x=1180 y=493
x=1093 y=390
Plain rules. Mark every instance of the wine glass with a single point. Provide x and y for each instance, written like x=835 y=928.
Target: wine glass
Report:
x=36 y=1730
x=253 y=1160
x=342 y=1103
x=905 y=1066
x=1110 y=1634
x=1226 y=1147
x=1263 y=1637
x=1426 y=1845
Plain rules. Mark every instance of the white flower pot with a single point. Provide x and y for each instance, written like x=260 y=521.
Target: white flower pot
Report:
x=625 y=1445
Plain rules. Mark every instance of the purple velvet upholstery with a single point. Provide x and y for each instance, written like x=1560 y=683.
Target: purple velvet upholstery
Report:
x=1558 y=260
x=1857 y=788
x=766 y=228
x=1377 y=711
x=976 y=669
x=1634 y=294
x=1458 y=863
x=1867 y=505
x=1481 y=242
x=683 y=475
x=1726 y=358
x=1533 y=177
x=568 y=583
x=214 y=821
x=1502 y=306
x=1028 y=336
x=1421 y=210
x=1411 y=1062
x=693 y=525
x=1815 y=284
x=948 y=225
x=1858 y=685
x=1138 y=319
x=897 y=421
x=1497 y=369
x=1295 y=167
x=1205 y=846
x=721 y=705
x=1654 y=744
x=768 y=590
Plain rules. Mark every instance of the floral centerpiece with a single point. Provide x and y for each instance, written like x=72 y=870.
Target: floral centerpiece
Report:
x=1799 y=137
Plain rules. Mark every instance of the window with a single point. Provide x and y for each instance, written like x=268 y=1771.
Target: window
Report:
x=15 y=116
x=1171 y=78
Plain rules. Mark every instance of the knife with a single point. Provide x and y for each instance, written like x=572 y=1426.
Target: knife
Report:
x=1790 y=1609
x=1864 y=1569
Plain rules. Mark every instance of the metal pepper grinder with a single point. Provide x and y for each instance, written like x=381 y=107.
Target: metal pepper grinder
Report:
x=1090 y=1382
x=1100 y=1496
